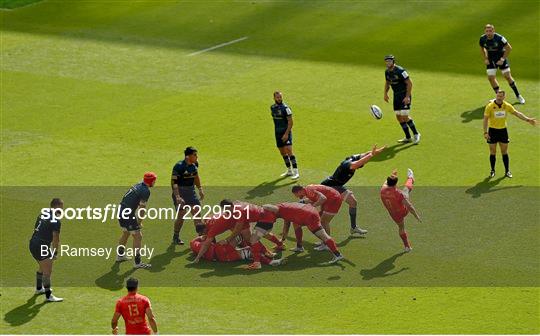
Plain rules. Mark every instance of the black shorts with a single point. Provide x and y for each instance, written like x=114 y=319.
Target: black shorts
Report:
x=189 y=196
x=280 y=143
x=398 y=101
x=498 y=135
x=493 y=64
x=129 y=224
x=264 y=226
x=35 y=250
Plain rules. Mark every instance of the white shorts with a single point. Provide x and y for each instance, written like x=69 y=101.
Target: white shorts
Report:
x=493 y=72
x=402 y=112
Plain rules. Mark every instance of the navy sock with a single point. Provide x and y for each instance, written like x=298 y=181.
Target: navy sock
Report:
x=287 y=161
x=496 y=89
x=293 y=161
x=405 y=128
x=412 y=126
x=39 y=280
x=514 y=87
x=352 y=215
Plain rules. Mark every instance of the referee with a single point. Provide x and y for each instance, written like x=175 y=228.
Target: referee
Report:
x=495 y=116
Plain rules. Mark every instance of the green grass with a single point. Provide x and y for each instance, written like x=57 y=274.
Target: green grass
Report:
x=95 y=93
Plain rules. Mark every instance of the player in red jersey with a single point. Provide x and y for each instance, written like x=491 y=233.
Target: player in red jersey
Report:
x=301 y=214
x=134 y=308
x=398 y=203
x=328 y=198
x=227 y=252
x=251 y=213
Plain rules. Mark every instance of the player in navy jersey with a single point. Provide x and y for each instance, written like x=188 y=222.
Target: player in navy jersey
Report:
x=343 y=173
x=134 y=199
x=45 y=240
x=398 y=78
x=283 y=123
x=184 y=178
x=495 y=50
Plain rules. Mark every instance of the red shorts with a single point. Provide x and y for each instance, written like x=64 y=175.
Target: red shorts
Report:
x=332 y=205
x=226 y=252
x=314 y=223
x=398 y=217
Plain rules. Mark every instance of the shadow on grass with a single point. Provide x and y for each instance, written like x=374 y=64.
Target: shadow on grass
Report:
x=486 y=186
x=383 y=268
x=24 y=313
x=113 y=280
x=161 y=260
x=295 y=262
x=391 y=151
x=267 y=188
x=471 y=115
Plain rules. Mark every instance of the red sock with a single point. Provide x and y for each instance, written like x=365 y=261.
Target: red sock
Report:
x=256 y=250
x=298 y=233
x=332 y=245
x=272 y=237
x=405 y=239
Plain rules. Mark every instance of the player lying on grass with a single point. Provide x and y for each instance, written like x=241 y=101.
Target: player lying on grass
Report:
x=327 y=198
x=398 y=203
x=227 y=252
x=134 y=309
x=343 y=173
x=221 y=223
x=305 y=215
x=45 y=240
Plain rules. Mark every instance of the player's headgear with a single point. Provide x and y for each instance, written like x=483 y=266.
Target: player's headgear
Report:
x=132 y=284
x=190 y=150
x=389 y=57
x=149 y=178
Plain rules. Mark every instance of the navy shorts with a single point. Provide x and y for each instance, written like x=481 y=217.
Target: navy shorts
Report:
x=35 y=250
x=280 y=143
x=264 y=226
x=189 y=196
x=340 y=188
x=493 y=64
x=129 y=224
x=398 y=101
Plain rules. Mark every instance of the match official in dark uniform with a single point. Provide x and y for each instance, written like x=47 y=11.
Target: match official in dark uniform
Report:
x=184 y=178
x=45 y=240
x=283 y=123
x=135 y=199
x=495 y=50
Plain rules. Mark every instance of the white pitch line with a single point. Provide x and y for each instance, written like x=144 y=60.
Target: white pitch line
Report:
x=218 y=46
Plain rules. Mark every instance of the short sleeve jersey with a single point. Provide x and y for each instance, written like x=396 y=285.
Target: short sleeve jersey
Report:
x=184 y=173
x=133 y=307
x=497 y=114
x=494 y=46
x=397 y=78
x=137 y=193
x=44 y=228
x=280 y=112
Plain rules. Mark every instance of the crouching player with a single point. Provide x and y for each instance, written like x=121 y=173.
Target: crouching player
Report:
x=305 y=215
x=398 y=203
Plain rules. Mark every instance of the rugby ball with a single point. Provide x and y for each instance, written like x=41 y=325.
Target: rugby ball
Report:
x=376 y=111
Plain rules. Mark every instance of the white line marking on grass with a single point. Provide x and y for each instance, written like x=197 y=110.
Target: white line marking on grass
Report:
x=218 y=46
